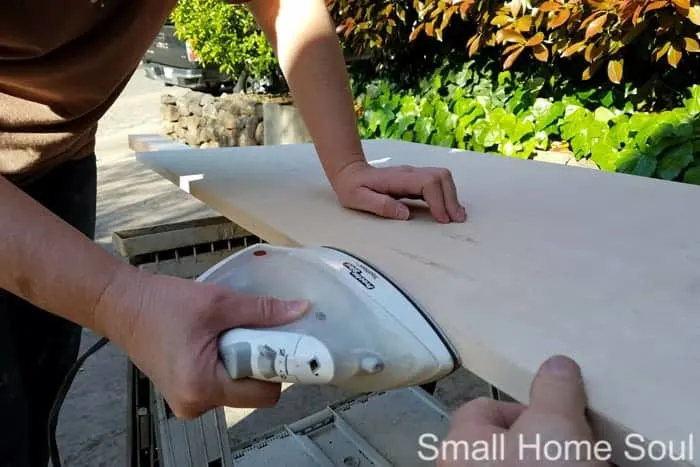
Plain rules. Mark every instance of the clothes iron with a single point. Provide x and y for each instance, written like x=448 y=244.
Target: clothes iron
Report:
x=361 y=334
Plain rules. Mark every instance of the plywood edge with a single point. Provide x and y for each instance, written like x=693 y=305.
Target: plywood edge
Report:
x=155 y=142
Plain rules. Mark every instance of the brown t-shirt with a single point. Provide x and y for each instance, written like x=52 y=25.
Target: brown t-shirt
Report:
x=62 y=65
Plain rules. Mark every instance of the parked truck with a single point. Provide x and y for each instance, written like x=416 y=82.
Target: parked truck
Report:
x=174 y=62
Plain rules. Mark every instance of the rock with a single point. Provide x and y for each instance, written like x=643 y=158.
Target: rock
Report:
x=244 y=139
x=260 y=133
x=181 y=132
x=169 y=113
x=226 y=138
x=203 y=120
x=584 y=163
x=210 y=145
x=553 y=157
x=227 y=119
x=194 y=137
x=168 y=99
x=192 y=121
x=206 y=100
x=194 y=108
x=169 y=127
x=228 y=107
x=210 y=110
x=251 y=126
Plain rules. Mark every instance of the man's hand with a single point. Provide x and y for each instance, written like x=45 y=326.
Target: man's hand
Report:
x=377 y=190
x=556 y=413
x=172 y=333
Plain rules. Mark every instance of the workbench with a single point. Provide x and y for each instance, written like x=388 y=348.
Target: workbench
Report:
x=553 y=259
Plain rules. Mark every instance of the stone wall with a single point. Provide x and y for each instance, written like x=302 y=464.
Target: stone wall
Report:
x=202 y=120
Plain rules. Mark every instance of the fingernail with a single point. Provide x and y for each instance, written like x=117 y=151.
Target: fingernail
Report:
x=462 y=214
x=402 y=212
x=297 y=307
x=561 y=365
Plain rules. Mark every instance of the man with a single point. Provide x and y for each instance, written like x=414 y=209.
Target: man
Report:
x=62 y=64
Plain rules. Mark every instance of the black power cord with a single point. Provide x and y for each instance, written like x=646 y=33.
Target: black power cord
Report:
x=61 y=396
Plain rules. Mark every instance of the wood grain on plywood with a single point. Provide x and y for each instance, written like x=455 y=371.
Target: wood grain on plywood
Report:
x=602 y=267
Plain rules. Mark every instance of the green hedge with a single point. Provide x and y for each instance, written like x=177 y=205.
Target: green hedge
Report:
x=479 y=108
x=225 y=36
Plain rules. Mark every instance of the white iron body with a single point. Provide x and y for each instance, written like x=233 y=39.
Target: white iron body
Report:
x=362 y=334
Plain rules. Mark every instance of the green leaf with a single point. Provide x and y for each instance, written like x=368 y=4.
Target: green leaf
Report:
x=636 y=164
x=640 y=121
x=442 y=139
x=605 y=155
x=426 y=109
x=464 y=105
x=423 y=129
x=608 y=99
x=675 y=160
x=603 y=114
x=619 y=133
x=692 y=175
x=522 y=128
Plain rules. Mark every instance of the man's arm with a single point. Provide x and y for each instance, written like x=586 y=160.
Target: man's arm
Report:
x=303 y=37
x=49 y=263
x=308 y=50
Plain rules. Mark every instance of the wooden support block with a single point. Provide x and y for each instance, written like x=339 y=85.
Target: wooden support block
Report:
x=552 y=260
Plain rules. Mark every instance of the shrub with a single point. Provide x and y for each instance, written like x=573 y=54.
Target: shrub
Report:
x=610 y=35
x=512 y=114
x=224 y=35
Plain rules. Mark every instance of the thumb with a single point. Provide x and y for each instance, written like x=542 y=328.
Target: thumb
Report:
x=558 y=389
x=254 y=311
x=379 y=204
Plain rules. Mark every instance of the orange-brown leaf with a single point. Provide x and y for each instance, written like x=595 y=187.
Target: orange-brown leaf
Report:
x=560 y=18
x=447 y=16
x=430 y=28
x=573 y=49
x=550 y=6
x=402 y=15
x=593 y=52
x=473 y=44
x=615 y=70
x=438 y=10
x=510 y=35
x=523 y=24
x=415 y=32
x=682 y=4
x=515 y=7
x=661 y=51
x=694 y=14
x=596 y=26
x=501 y=20
x=674 y=56
x=511 y=48
x=655 y=5
x=464 y=7
x=512 y=58
x=540 y=52
x=535 y=40
x=691 y=44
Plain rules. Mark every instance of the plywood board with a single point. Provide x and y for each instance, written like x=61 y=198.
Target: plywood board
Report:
x=602 y=267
